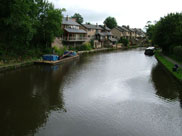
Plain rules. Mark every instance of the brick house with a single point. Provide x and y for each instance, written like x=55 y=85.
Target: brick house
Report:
x=91 y=30
x=73 y=34
x=120 y=31
x=101 y=35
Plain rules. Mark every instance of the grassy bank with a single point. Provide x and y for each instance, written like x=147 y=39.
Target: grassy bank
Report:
x=169 y=65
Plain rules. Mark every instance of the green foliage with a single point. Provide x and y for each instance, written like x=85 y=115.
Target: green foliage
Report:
x=150 y=30
x=169 y=65
x=79 y=18
x=167 y=32
x=28 y=25
x=177 y=51
x=59 y=51
x=88 y=23
x=124 y=41
x=92 y=43
x=110 y=22
x=86 y=46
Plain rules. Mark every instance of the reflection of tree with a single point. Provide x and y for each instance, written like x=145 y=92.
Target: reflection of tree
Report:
x=165 y=85
x=27 y=96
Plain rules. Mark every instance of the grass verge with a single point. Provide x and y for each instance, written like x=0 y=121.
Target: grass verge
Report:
x=169 y=65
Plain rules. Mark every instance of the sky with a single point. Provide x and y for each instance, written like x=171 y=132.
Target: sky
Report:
x=134 y=13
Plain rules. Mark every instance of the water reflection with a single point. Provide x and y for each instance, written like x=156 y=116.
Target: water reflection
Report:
x=27 y=96
x=166 y=86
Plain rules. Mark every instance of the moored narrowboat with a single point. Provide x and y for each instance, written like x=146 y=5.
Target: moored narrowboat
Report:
x=149 y=51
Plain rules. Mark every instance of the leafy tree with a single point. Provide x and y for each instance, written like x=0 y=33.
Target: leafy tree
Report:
x=88 y=23
x=150 y=30
x=167 y=32
x=110 y=22
x=28 y=24
x=124 y=41
x=79 y=18
x=48 y=24
x=16 y=26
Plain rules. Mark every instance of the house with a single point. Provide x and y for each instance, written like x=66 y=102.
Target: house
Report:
x=73 y=34
x=101 y=35
x=105 y=36
x=131 y=32
x=120 y=31
x=140 y=34
x=91 y=30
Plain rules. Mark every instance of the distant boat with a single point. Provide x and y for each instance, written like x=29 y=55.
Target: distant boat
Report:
x=149 y=51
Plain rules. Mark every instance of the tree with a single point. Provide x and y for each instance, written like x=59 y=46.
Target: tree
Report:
x=48 y=24
x=124 y=41
x=17 y=25
x=88 y=23
x=28 y=24
x=110 y=22
x=167 y=32
x=79 y=18
x=150 y=30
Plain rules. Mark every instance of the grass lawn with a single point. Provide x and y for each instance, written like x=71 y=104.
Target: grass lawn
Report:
x=169 y=65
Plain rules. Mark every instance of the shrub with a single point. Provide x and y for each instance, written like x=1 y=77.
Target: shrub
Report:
x=85 y=46
x=92 y=43
x=59 y=51
x=124 y=41
x=72 y=48
x=177 y=51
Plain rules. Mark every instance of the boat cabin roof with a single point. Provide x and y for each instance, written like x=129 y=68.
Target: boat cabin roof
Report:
x=150 y=48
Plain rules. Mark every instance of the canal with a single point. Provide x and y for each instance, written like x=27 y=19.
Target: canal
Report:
x=118 y=93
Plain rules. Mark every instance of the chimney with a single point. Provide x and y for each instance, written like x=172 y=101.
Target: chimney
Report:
x=128 y=26
x=67 y=18
x=96 y=24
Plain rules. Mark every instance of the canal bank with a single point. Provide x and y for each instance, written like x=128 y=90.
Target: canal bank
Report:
x=168 y=64
x=15 y=66
x=32 y=62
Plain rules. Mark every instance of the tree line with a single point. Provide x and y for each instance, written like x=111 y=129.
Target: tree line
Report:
x=27 y=25
x=167 y=34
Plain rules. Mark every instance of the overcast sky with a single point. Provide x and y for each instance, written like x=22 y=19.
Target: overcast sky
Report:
x=127 y=12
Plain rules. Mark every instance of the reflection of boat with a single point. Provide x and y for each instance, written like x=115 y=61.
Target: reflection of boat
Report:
x=69 y=55
x=149 y=51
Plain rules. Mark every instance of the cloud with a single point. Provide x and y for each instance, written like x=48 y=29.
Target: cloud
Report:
x=127 y=12
x=89 y=15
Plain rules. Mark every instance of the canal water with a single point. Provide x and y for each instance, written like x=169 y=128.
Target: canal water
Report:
x=118 y=93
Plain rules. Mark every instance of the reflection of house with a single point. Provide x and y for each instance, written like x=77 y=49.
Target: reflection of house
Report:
x=73 y=34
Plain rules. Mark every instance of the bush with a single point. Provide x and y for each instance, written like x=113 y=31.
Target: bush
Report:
x=124 y=41
x=84 y=47
x=59 y=51
x=177 y=51
x=92 y=43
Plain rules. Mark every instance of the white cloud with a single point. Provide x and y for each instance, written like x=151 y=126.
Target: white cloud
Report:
x=127 y=12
